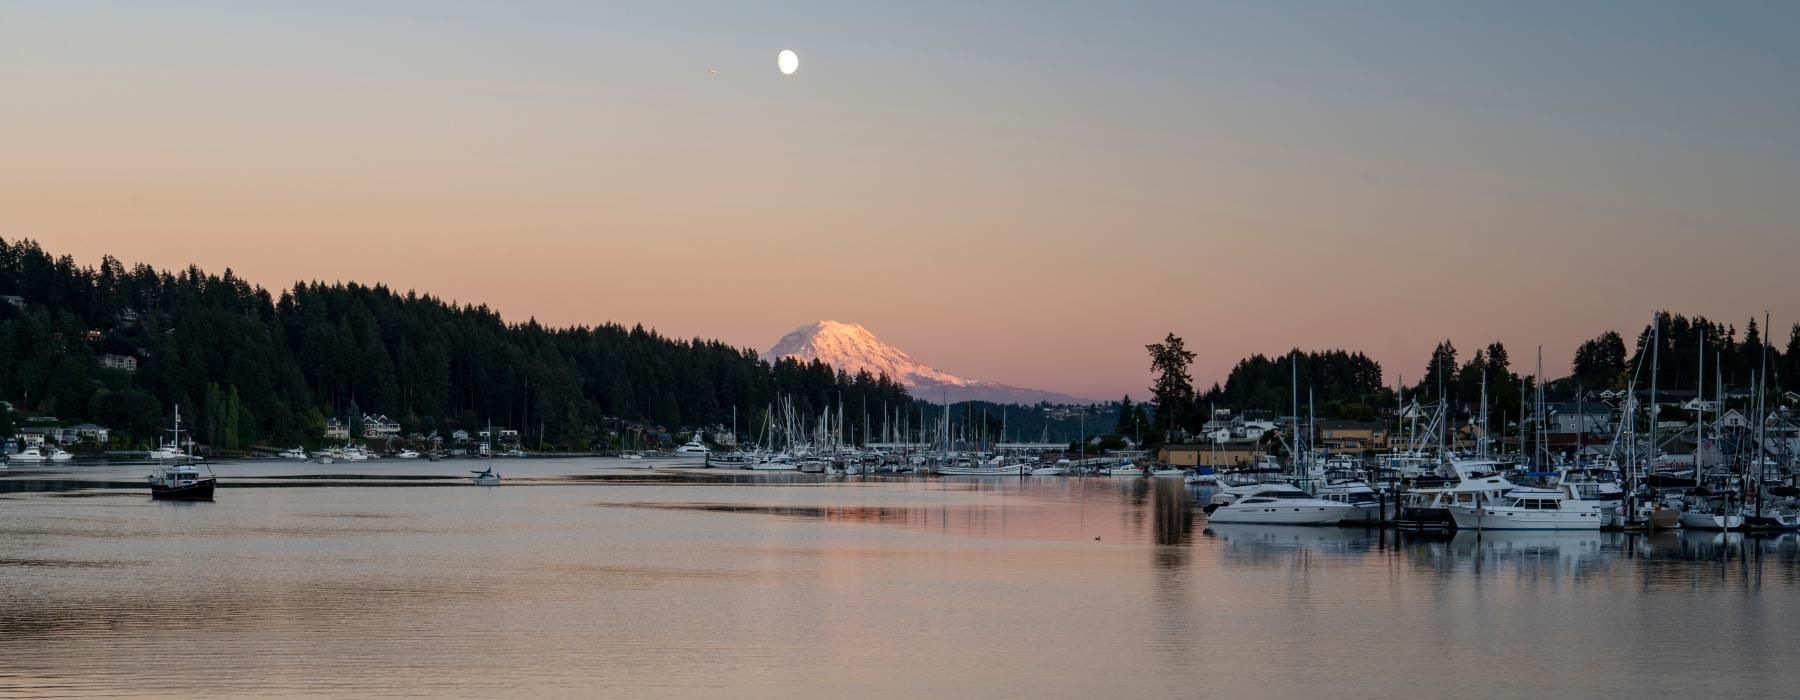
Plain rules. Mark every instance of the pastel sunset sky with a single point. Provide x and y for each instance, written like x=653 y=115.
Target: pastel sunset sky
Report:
x=1025 y=192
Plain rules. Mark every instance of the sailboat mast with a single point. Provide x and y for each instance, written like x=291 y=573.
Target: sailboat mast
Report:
x=1481 y=448
x=1700 y=408
x=1294 y=385
x=1655 y=367
x=1762 y=420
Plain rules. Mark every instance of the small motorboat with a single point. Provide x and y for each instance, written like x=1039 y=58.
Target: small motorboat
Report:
x=1168 y=472
x=486 y=477
x=29 y=454
x=1126 y=468
x=1201 y=477
x=182 y=482
x=294 y=453
x=58 y=454
x=407 y=454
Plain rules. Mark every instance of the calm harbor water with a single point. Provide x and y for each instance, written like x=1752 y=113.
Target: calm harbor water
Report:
x=584 y=578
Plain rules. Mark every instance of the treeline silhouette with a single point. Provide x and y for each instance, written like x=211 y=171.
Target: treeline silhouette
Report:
x=250 y=367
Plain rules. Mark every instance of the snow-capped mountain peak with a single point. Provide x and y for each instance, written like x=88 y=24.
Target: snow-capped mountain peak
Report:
x=852 y=348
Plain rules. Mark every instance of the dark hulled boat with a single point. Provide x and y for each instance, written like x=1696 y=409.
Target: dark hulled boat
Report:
x=182 y=482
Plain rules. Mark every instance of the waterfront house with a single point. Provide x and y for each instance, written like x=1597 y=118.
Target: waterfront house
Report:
x=119 y=362
x=336 y=429
x=379 y=426
x=501 y=436
x=87 y=432
x=459 y=438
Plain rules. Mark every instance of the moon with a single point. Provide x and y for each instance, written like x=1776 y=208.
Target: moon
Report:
x=787 y=61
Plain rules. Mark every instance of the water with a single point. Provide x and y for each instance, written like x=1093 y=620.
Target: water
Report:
x=579 y=578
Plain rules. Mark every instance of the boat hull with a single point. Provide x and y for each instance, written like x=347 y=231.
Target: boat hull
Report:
x=1706 y=522
x=201 y=490
x=1366 y=514
x=1280 y=514
x=1508 y=519
x=1768 y=523
x=1419 y=518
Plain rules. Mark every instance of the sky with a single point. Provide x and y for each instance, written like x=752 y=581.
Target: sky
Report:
x=1020 y=192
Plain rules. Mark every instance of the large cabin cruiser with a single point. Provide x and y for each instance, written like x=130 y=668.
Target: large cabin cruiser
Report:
x=1534 y=509
x=692 y=449
x=1477 y=483
x=1278 y=505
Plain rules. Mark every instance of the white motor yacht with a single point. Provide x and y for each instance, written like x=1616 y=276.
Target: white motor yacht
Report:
x=294 y=453
x=407 y=454
x=27 y=454
x=692 y=449
x=1275 y=505
x=1533 y=509
x=58 y=454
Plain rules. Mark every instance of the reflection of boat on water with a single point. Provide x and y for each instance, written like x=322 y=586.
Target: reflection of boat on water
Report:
x=1280 y=537
x=1576 y=544
x=1279 y=533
